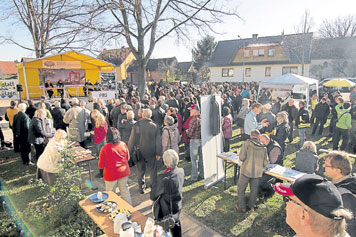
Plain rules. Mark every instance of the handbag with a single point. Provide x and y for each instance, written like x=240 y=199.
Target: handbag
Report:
x=168 y=221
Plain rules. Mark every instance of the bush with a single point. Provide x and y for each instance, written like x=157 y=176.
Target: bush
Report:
x=57 y=212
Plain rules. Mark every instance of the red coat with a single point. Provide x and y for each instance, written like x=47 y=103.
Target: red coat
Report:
x=185 y=127
x=100 y=133
x=114 y=159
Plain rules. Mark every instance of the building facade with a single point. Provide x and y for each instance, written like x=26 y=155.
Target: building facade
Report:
x=258 y=59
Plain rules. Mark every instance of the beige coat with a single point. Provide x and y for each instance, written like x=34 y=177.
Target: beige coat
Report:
x=254 y=156
x=77 y=120
x=49 y=160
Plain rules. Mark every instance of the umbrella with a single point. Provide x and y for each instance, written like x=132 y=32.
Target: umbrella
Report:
x=339 y=82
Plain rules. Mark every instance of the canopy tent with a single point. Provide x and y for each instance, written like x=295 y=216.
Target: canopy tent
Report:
x=291 y=82
x=29 y=70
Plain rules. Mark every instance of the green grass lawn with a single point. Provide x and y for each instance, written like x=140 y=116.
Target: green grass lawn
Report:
x=214 y=206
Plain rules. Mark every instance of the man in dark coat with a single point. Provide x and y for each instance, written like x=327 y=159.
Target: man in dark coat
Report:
x=275 y=156
x=57 y=115
x=292 y=111
x=31 y=109
x=20 y=128
x=338 y=168
x=146 y=138
x=322 y=110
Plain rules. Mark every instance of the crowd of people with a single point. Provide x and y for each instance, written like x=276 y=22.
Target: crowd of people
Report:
x=146 y=133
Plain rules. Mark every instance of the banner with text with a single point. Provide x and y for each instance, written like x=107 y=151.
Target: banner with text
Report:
x=104 y=94
x=8 y=89
x=50 y=64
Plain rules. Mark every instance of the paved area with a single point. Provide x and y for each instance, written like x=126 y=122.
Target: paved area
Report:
x=142 y=202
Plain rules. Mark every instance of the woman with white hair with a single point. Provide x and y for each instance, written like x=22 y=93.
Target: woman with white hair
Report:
x=167 y=192
x=49 y=162
x=37 y=132
x=271 y=119
x=306 y=158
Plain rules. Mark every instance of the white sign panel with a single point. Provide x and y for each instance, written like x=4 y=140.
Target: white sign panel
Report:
x=8 y=89
x=211 y=145
x=104 y=94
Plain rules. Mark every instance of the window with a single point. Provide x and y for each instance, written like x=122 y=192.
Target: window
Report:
x=246 y=53
x=261 y=52
x=270 y=52
x=247 y=72
x=267 y=71
x=227 y=72
x=286 y=70
x=255 y=52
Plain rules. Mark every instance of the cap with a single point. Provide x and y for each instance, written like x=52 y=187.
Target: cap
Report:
x=195 y=107
x=314 y=191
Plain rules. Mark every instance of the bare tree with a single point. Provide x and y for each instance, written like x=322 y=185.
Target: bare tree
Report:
x=52 y=25
x=338 y=28
x=306 y=23
x=144 y=23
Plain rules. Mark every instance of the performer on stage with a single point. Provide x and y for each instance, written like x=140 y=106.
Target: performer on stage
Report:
x=49 y=90
x=60 y=86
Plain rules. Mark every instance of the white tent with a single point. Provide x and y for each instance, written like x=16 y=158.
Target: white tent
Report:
x=293 y=83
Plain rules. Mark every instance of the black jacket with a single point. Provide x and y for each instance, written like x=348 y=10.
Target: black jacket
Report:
x=57 y=115
x=282 y=132
x=36 y=132
x=322 y=111
x=125 y=130
x=168 y=186
x=236 y=102
x=276 y=108
x=158 y=116
x=214 y=116
x=148 y=137
x=302 y=118
x=20 y=126
x=30 y=111
x=347 y=188
x=292 y=112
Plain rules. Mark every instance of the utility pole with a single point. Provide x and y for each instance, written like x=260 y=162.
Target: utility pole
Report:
x=243 y=61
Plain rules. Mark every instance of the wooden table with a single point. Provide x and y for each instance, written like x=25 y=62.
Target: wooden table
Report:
x=236 y=163
x=84 y=160
x=282 y=173
x=102 y=219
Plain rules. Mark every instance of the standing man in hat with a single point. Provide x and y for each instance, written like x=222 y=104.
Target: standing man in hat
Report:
x=314 y=207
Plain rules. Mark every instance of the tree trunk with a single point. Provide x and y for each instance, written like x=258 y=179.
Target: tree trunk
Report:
x=141 y=70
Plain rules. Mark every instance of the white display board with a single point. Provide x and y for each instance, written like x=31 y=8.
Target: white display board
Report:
x=104 y=94
x=211 y=145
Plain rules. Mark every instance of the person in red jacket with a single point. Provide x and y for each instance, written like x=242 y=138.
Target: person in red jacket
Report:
x=100 y=130
x=113 y=158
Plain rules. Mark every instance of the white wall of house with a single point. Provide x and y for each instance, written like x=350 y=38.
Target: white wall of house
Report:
x=257 y=72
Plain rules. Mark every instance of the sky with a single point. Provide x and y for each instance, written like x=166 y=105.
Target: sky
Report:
x=262 y=17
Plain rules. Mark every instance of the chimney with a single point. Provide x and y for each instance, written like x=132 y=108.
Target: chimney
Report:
x=254 y=37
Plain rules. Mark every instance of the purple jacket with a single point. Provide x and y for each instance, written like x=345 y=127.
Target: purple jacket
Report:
x=227 y=126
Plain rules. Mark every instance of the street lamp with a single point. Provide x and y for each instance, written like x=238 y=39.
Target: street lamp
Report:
x=243 y=61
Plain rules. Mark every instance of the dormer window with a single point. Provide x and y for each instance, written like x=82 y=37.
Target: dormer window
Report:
x=246 y=53
x=270 y=52
x=255 y=52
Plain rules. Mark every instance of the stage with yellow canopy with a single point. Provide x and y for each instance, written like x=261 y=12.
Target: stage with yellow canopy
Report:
x=72 y=68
